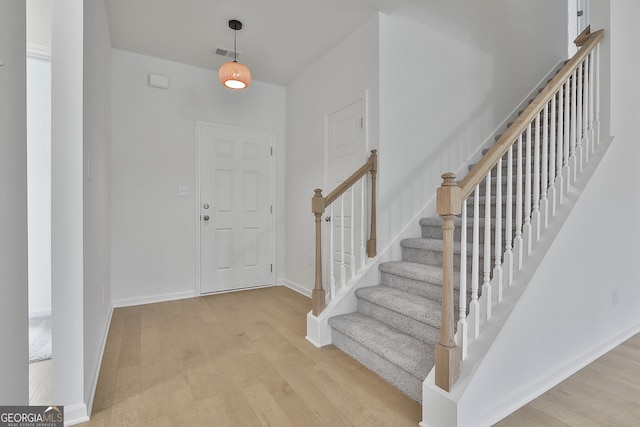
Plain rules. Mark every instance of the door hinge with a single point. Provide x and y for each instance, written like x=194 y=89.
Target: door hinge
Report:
x=271 y=209
x=362 y=122
x=271 y=151
x=272 y=268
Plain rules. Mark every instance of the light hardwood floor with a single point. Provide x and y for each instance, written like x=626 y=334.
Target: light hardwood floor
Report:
x=240 y=359
x=40 y=383
x=236 y=359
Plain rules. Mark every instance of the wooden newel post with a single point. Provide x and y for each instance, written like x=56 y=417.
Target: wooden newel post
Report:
x=318 y=205
x=447 y=354
x=371 y=243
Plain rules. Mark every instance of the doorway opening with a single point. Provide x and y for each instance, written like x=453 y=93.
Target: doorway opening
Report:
x=39 y=199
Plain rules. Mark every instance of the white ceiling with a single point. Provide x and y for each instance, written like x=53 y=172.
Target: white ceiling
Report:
x=279 y=38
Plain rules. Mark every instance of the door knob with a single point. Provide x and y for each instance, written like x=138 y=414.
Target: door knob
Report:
x=328 y=219
x=206 y=217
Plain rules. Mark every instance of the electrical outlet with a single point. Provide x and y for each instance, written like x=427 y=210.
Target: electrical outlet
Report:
x=184 y=191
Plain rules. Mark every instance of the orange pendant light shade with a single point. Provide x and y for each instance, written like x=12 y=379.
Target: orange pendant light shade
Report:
x=234 y=75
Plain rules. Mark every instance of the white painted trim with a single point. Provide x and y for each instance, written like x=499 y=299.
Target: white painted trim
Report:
x=96 y=374
x=129 y=302
x=274 y=142
x=75 y=414
x=229 y=291
x=302 y=290
x=39 y=52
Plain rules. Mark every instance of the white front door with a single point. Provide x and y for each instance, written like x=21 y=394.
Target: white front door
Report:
x=345 y=141
x=236 y=227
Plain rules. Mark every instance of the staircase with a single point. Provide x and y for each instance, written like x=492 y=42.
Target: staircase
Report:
x=493 y=229
x=397 y=322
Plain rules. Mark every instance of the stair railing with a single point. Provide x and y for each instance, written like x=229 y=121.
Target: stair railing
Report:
x=348 y=225
x=540 y=155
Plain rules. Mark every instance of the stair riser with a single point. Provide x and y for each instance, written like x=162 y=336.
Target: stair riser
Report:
x=398 y=377
x=425 y=332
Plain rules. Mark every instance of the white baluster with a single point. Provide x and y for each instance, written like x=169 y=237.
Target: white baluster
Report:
x=527 y=229
x=566 y=140
x=343 y=270
x=544 y=200
x=535 y=212
x=518 y=242
x=508 y=227
x=586 y=115
x=579 y=111
x=352 y=226
x=486 y=284
x=363 y=195
x=462 y=332
x=497 y=269
x=552 y=156
x=332 y=276
x=596 y=122
x=474 y=308
x=573 y=161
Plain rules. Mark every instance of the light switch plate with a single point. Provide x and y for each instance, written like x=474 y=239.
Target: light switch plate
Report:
x=184 y=191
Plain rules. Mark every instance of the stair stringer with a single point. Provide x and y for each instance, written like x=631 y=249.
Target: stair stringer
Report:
x=495 y=378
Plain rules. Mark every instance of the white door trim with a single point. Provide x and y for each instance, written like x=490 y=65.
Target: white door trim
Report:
x=196 y=208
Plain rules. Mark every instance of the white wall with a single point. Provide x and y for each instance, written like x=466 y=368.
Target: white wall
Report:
x=153 y=152
x=14 y=357
x=39 y=184
x=450 y=73
x=97 y=195
x=334 y=81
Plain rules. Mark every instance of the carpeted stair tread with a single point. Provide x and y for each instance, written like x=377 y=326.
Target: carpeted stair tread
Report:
x=436 y=221
x=415 y=271
x=412 y=270
x=427 y=244
x=404 y=351
x=415 y=307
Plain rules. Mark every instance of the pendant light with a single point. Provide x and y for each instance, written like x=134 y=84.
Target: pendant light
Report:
x=234 y=75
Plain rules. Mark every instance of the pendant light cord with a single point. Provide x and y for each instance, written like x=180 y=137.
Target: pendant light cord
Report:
x=235 y=50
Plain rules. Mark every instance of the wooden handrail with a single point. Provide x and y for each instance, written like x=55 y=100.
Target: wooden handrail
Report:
x=482 y=168
x=318 y=205
x=583 y=36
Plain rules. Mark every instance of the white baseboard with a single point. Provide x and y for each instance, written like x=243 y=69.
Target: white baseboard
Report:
x=129 y=302
x=75 y=414
x=298 y=288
